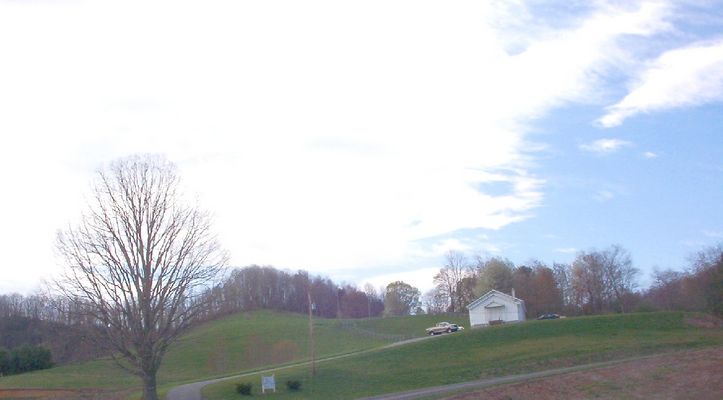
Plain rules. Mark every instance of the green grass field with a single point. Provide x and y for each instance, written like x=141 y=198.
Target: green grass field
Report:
x=253 y=341
x=241 y=342
x=480 y=353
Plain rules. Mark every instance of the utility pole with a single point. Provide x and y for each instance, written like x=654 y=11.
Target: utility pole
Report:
x=311 y=335
x=338 y=303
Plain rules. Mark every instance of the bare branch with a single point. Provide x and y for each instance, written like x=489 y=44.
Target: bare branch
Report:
x=136 y=260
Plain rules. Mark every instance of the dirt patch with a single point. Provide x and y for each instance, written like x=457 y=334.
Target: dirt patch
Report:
x=704 y=321
x=684 y=375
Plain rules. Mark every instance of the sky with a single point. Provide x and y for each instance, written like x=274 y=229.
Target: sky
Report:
x=364 y=140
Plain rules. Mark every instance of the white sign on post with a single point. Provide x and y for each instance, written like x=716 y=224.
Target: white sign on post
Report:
x=268 y=383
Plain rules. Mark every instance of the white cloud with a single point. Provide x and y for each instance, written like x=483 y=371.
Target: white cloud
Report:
x=324 y=135
x=566 y=250
x=650 y=155
x=687 y=76
x=605 y=146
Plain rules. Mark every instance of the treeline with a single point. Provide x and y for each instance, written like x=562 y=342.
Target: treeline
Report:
x=265 y=287
x=24 y=359
x=244 y=289
x=43 y=307
x=63 y=327
x=597 y=281
x=67 y=343
x=699 y=287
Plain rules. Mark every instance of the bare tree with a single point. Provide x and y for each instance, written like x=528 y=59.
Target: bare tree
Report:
x=707 y=274
x=620 y=275
x=563 y=280
x=588 y=282
x=435 y=302
x=600 y=280
x=449 y=278
x=371 y=295
x=137 y=261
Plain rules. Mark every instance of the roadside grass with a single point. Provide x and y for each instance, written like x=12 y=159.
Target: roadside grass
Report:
x=240 y=342
x=488 y=352
x=407 y=327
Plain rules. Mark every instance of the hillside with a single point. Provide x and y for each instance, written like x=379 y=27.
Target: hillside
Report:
x=240 y=342
x=252 y=341
x=66 y=343
x=495 y=351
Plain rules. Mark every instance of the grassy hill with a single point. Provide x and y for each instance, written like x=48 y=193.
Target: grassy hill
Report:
x=252 y=341
x=240 y=342
x=480 y=353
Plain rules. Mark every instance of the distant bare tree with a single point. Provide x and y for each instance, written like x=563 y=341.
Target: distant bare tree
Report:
x=620 y=275
x=666 y=290
x=371 y=295
x=434 y=302
x=588 y=282
x=449 y=277
x=137 y=260
x=563 y=280
x=601 y=280
x=707 y=273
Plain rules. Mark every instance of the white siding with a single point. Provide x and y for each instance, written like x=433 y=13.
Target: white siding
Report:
x=477 y=316
x=496 y=306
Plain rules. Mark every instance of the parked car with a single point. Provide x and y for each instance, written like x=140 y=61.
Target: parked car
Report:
x=441 y=327
x=549 y=316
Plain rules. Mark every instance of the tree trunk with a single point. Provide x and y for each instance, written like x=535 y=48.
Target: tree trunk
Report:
x=149 y=387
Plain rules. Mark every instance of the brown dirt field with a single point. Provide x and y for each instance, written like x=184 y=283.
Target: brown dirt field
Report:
x=685 y=375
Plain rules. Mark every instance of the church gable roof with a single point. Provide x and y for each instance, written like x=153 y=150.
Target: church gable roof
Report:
x=491 y=294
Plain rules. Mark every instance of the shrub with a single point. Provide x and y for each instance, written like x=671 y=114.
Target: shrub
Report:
x=293 y=385
x=244 y=388
x=24 y=359
x=4 y=362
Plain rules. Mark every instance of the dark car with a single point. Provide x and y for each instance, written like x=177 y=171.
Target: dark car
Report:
x=549 y=316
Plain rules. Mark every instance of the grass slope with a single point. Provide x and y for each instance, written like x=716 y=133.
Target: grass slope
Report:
x=240 y=342
x=400 y=328
x=494 y=351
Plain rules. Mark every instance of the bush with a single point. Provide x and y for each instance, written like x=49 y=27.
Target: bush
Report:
x=24 y=359
x=244 y=388
x=293 y=385
x=4 y=362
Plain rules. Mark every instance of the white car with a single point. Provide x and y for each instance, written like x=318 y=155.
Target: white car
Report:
x=441 y=327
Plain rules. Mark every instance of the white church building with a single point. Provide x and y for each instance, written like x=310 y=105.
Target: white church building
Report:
x=496 y=307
